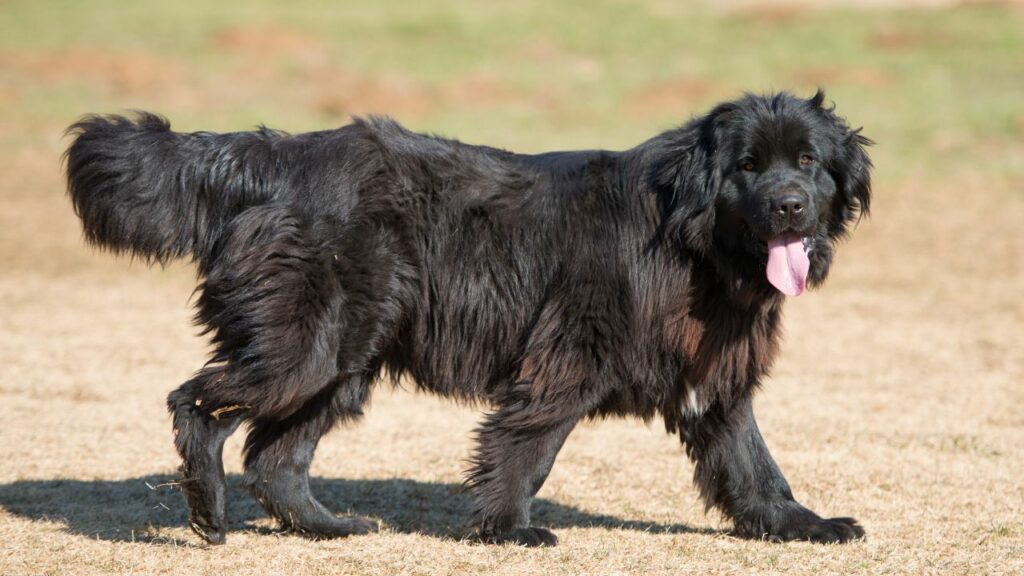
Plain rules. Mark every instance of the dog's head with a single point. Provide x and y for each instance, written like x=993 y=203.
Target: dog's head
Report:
x=763 y=186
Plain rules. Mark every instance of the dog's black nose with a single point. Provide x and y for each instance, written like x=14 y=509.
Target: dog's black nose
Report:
x=788 y=205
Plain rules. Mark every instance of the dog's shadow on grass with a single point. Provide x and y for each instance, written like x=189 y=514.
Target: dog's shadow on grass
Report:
x=134 y=510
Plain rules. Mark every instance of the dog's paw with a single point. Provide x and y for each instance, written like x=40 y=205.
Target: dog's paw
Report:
x=530 y=537
x=819 y=530
x=206 y=510
x=356 y=525
x=213 y=535
x=796 y=523
x=337 y=527
x=359 y=525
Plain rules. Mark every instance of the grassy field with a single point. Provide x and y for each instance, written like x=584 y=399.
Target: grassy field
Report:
x=899 y=397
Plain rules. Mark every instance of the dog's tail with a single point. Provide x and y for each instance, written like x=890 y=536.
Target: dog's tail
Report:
x=141 y=188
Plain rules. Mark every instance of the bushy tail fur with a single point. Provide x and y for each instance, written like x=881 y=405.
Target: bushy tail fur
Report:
x=141 y=188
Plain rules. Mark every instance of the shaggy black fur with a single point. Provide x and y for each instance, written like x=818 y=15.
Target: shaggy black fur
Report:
x=553 y=287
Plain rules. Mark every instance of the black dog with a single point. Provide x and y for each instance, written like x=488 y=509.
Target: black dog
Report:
x=554 y=287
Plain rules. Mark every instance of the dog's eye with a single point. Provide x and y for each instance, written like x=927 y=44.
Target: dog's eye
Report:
x=806 y=160
x=747 y=165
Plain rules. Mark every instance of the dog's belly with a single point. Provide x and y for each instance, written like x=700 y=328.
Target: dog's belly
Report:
x=464 y=348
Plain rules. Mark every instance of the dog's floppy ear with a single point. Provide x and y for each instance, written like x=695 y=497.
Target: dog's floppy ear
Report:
x=851 y=165
x=853 y=171
x=687 y=175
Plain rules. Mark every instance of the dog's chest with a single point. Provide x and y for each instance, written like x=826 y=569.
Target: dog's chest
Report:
x=725 y=351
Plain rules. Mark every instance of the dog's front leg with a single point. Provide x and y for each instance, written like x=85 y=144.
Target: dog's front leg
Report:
x=736 y=473
x=511 y=464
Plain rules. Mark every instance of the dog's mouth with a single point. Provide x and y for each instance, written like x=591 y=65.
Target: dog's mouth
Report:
x=785 y=256
x=788 y=262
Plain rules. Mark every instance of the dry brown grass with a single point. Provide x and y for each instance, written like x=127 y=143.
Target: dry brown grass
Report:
x=898 y=397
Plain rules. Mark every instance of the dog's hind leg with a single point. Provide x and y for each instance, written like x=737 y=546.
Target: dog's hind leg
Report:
x=278 y=454
x=273 y=304
x=199 y=437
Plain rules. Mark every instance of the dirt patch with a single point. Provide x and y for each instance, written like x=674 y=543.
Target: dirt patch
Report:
x=831 y=75
x=267 y=41
x=259 y=48
x=675 y=96
x=132 y=72
x=337 y=94
x=893 y=39
x=8 y=96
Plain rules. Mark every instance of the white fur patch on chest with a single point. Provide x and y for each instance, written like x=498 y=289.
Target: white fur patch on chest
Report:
x=691 y=405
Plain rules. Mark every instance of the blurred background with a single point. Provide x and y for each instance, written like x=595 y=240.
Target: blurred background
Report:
x=897 y=398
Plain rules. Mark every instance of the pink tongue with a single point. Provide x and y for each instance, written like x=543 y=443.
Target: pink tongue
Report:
x=787 y=264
